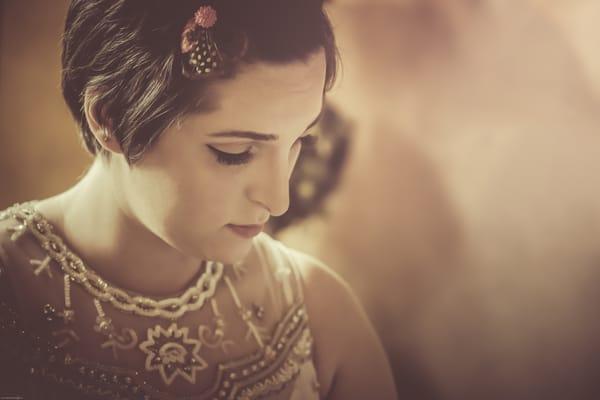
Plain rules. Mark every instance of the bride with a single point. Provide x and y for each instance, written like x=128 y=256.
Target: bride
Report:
x=151 y=277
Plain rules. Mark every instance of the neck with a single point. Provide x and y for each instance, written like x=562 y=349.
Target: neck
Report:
x=97 y=224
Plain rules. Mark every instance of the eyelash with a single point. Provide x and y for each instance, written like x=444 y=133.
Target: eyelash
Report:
x=245 y=157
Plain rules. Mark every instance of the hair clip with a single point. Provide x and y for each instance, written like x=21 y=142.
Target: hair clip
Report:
x=198 y=46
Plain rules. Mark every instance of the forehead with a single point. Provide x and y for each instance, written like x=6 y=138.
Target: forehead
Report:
x=274 y=90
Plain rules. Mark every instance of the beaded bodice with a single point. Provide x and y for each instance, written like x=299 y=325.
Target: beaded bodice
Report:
x=237 y=332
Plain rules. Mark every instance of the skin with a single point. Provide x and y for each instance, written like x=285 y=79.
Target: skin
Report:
x=173 y=208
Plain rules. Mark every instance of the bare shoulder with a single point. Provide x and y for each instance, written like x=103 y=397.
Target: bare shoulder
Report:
x=349 y=357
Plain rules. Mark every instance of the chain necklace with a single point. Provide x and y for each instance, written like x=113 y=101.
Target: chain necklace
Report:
x=172 y=308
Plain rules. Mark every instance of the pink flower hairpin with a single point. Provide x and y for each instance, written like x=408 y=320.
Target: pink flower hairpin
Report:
x=206 y=17
x=198 y=45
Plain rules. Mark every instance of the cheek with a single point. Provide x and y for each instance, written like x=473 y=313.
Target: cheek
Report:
x=185 y=198
x=204 y=205
x=201 y=199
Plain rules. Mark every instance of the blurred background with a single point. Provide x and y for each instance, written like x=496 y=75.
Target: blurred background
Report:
x=457 y=188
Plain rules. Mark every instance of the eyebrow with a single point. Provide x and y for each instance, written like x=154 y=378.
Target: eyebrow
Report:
x=267 y=137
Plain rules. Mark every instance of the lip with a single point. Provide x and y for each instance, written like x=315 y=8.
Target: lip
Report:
x=246 y=231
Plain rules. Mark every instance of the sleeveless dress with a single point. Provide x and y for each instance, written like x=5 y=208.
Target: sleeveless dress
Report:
x=65 y=333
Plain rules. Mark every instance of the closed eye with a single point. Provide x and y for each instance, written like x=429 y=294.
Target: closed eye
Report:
x=231 y=159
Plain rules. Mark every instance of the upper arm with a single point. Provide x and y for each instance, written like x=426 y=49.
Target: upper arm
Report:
x=349 y=357
x=12 y=380
x=4 y=261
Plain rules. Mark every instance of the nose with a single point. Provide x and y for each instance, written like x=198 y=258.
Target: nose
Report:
x=272 y=187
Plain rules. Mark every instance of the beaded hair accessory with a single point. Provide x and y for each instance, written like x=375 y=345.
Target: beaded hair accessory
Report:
x=200 y=51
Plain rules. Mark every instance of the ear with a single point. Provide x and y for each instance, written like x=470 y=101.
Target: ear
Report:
x=99 y=123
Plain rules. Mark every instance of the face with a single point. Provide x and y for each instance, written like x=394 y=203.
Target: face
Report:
x=227 y=166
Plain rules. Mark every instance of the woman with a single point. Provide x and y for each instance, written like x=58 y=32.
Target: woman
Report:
x=150 y=278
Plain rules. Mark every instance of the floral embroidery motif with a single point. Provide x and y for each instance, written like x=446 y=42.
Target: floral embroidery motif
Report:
x=171 y=353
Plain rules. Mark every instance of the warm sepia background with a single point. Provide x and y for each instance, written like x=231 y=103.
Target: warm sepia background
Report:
x=468 y=216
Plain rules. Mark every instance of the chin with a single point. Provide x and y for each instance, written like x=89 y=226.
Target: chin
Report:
x=231 y=257
x=229 y=250
x=224 y=247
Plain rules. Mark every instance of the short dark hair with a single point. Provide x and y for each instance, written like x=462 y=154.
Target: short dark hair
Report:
x=127 y=52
